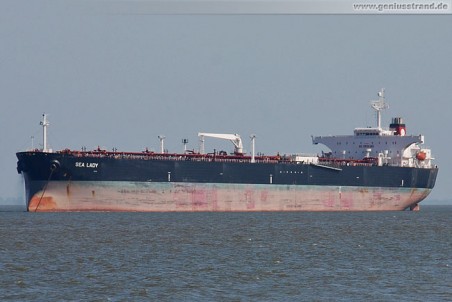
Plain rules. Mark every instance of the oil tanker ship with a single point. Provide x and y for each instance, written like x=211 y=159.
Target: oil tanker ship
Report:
x=374 y=169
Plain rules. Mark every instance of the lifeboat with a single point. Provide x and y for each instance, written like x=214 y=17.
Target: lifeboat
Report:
x=421 y=155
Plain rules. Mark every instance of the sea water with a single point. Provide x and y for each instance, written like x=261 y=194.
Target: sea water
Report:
x=387 y=256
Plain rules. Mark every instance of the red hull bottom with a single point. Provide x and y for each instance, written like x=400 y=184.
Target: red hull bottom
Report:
x=197 y=197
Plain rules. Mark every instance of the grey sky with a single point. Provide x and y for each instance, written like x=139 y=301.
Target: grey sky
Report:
x=120 y=80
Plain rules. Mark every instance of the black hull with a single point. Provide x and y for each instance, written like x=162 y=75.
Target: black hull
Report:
x=38 y=166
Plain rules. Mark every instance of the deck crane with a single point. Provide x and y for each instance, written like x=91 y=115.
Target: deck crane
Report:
x=234 y=138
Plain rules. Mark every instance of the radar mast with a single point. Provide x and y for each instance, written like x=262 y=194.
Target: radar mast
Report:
x=379 y=105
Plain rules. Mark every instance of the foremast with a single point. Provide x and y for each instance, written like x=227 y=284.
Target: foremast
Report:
x=45 y=124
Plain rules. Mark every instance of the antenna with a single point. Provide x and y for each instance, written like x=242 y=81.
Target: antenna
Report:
x=44 y=123
x=379 y=105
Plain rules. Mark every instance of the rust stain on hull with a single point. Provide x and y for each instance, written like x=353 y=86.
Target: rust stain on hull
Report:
x=194 y=197
x=44 y=204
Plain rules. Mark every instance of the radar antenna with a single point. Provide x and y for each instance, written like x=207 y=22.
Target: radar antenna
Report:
x=379 y=105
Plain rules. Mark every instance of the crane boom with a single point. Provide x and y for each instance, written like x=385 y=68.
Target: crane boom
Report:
x=234 y=138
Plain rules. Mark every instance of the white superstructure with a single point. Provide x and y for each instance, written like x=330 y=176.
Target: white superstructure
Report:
x=390 y=146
